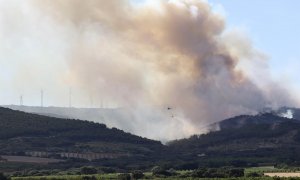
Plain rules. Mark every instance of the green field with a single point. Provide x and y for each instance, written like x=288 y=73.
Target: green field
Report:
x=148 y=175
x=72 y=177
x=115 y=177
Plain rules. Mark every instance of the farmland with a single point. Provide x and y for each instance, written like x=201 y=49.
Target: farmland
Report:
x=262 y=173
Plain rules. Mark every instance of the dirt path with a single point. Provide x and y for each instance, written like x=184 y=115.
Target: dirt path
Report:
x=296 y=174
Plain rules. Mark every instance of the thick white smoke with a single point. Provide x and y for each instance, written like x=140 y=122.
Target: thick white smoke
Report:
x=288 y=114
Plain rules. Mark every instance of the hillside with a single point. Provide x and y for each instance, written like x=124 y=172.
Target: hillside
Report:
x=244 y=141
x=120 y=118
x=264 y=139
x=112 y=117
x=36 y=135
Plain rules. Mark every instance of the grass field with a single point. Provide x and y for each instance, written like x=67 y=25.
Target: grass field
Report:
x=114 y=177
x=71 y=177
x=147 y=176
x=270 y=172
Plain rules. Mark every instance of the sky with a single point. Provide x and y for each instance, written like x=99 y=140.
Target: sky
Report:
x=273 y=27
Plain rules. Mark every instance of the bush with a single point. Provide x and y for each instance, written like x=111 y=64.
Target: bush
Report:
x=159 y=171
x=107 y=170
x=172 y=172
x=237 y=172
x=89 y=178
x=156 y=169
x=32 y=173
x=3 y=177
x=124 y=176
x=254 y=174
x=137 y=175
x=188 y=166
x=218 y=173
x=215 y=173
x=88 y=170
x=199 y=172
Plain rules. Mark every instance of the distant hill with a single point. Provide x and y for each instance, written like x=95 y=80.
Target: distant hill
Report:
x=120 y=118
x=243 y=141
x=22 y=132
x=112 y=117
x=279 y=115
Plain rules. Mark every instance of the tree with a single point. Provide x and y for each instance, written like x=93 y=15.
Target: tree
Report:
x=88 y=170
x=124 y=176
x=3 y=177
x=137 y=175
x=237 y=172
x=254 y=174
x=89 y=178
x=159 y=171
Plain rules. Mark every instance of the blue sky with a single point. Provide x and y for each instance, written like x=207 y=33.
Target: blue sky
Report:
x=274 y=28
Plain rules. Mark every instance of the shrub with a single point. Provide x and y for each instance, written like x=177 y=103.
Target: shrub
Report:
x=172 y=172
x=156 y=170
x=107 y=170
x=124 y=176
x=88 y=170
x=32 y=173
x=137 y=175
x=3 y=177
x=89 y=178
x=215 y=173
x=237 y=172
x=218 y=173
x=188 y=166
x=159 y=171
x=254 y=174
x=199 y=172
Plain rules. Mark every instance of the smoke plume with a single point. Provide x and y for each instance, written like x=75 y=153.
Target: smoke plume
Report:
x=172 y=65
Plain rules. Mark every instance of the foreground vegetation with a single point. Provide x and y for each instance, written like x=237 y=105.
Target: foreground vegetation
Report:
x=91 y=173
x=243 y=141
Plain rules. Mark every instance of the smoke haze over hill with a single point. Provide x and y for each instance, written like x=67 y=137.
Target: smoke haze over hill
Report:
x=172 y=65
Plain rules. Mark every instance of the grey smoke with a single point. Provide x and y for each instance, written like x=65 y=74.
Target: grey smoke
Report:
x=163 y=54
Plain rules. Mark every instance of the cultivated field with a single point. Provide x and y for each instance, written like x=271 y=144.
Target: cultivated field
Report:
x=282 y=174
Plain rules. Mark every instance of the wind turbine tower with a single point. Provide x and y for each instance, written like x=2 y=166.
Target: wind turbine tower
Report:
x=70 y=97
x=21 y=100
x=42 y=98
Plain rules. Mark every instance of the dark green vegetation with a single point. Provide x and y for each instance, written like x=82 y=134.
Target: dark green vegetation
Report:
x=23 y=133
x=17 y=124
x=202 y=173
x=243 y=141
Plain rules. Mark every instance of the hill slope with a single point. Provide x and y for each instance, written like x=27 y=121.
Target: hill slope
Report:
x=20 y=132
x=240 y=141
x=122 y=118
x=115 y=117
x=245 y=140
